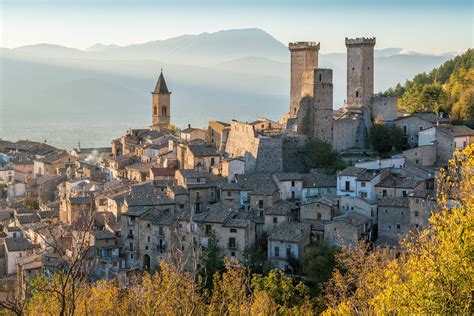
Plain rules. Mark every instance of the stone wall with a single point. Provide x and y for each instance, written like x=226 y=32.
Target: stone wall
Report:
x=384 y=109
x=269 y=155
x=293 y=153
x=304 y=55
x=360 y=71
x=422 y=156
x=243 y=142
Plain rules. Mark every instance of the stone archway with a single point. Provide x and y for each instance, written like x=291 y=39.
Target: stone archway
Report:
x=146 y=263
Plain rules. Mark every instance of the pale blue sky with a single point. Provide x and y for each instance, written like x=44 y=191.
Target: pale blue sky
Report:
x=431 y=26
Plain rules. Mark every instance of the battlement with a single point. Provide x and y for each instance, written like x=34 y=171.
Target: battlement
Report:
x=304 y=46
x=360 y=41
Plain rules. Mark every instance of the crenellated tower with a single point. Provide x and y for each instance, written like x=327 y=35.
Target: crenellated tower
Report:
x=360 y=72
x=161 y=107
x=304 y=56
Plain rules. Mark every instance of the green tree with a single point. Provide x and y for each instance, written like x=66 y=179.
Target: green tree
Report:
x=318 y=262
x=319 y=154
x=254 y=258
x=379 y=137
x=212 y=261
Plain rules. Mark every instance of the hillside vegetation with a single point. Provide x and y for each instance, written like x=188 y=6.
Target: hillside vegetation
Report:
x=448 y=89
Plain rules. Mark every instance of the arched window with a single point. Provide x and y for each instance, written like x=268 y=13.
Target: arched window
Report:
x=163 y=110
x=155 y=110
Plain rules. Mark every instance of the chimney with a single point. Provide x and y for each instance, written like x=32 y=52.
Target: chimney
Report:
x=189 y=125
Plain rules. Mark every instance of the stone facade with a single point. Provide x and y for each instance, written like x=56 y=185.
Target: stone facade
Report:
x=360 y=72
x=160 y=105
x=304 y=56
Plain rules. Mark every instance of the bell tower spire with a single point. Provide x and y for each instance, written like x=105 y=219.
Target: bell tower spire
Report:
x=161 y=110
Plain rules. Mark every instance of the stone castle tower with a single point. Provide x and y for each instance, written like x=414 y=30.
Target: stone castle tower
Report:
x=360 y=72
x=161 y=110
x=311 y=94
x=317 y=89
x=304 y=56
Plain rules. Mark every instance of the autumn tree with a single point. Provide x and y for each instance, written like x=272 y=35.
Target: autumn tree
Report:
x=432 y=272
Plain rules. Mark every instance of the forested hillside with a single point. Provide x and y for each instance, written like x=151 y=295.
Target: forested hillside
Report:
x=448 y=89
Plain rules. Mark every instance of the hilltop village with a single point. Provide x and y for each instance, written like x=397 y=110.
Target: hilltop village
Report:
x=159 y=193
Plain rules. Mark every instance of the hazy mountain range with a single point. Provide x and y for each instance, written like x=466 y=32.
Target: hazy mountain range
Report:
x=64 y=94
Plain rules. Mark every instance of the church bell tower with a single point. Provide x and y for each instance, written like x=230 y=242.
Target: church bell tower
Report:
x=161 y=110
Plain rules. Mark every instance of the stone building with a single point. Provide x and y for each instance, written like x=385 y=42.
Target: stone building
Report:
x=287 y=244
x=414 y=123
x=217 y=134
x=394 y=186
x=347 y=229
x=232 y=227
x=202 y=157
x=422 y=203
x=192 y=133
x=353 y=121
x=393 y=219
x=311 y=94
x=304 y=56
x=161 y=107
x=447 y=139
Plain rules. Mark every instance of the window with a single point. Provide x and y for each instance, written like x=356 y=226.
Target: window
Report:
x=232 y=253
x=233 y=230
x=320 y=77
x=348 y=185
x=389 y=226
x=416 y=213
x=229 y=194
x=293 y=195
x=148 y=225
x=404 y=193
x=275 y=220
x=198 y=180
x=318 y=215
x=384 y=192
x=130 y=246
x=163 y=110
x=277 y=251
x=386 y=211
x=212 y=161
x=130 y=233
x=160 y=230
x=208 y=230
x=357 y=94
x=155 y=110
x=398 y=226
x=421 y=128
x=146 y=247
x=263 y=125
x=404 y=129
x=148 y=238
x=197 y=194
x=232 y=244
x=362 y=184
x=292 y=183
x=260 y=203
x=197 y=207
x=363 y=195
